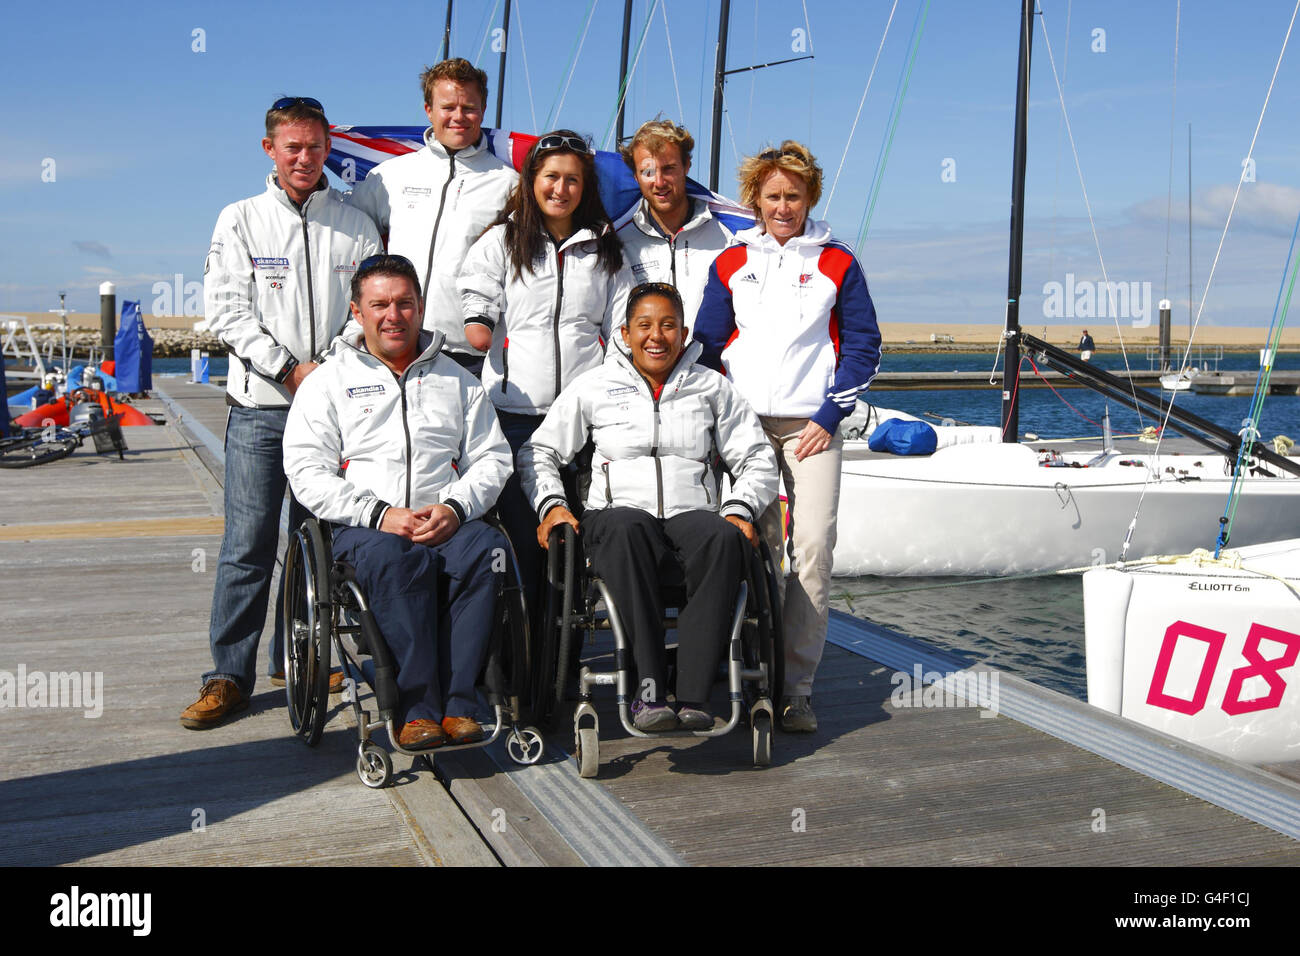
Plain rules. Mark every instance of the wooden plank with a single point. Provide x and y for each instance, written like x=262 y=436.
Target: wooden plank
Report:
x=134 y=528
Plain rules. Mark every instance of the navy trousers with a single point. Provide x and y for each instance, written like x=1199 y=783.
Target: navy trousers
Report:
x=434 y=607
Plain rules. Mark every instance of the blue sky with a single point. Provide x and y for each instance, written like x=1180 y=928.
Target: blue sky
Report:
x=150 y=138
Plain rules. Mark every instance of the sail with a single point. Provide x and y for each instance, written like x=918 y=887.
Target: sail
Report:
x=355 y=150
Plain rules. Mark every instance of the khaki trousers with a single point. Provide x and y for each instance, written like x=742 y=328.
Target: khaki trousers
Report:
x=812 y=489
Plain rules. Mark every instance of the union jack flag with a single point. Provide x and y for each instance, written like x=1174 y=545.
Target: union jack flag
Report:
x=355 y=150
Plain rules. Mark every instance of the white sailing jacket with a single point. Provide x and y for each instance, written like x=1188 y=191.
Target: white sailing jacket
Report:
x=549 y=325
x=682 y=261
x=434 y=205
x=360 y=439
x=793 y=326
x=652 y=453
x=276 y=284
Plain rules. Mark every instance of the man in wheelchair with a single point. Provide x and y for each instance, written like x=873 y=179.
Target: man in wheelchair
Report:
x=653 y=511
x=398 y=447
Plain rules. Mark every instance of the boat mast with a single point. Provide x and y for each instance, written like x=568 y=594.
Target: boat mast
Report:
x=1011 y=367
x=501 y=71
x=622 y=72
x=719 y=79
x=1191 y=311
x=446 y=36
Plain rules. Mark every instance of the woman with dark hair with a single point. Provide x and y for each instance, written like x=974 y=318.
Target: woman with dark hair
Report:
x=539 y=290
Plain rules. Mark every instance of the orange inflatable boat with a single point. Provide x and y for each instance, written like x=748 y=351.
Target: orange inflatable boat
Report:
x=57 y=411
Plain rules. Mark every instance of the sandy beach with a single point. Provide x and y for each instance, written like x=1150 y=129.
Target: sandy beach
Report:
x=902 y=335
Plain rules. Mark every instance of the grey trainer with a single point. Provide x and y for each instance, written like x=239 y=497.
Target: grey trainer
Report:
x=797 y=715
x=652 y=718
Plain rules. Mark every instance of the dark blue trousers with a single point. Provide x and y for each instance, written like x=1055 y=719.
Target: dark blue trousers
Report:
x=434 y=607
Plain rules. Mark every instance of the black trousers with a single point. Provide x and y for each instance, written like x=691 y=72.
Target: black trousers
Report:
x=633 y=552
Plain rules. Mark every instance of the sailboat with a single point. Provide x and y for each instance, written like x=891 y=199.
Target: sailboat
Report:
x=1009 y=507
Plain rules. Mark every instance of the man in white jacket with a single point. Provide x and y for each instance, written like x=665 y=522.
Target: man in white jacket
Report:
x=670 y=238
x=398 y=446
x=276 y=287
x=431 y=205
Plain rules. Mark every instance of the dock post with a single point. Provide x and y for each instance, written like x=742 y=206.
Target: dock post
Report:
x=107 y=318
x=1166 y=320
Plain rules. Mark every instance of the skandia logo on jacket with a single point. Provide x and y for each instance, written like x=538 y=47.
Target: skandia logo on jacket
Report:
x=267 y=262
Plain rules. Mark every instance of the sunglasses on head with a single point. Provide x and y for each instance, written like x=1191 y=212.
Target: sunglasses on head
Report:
x=558 y=141
x=777 y=154
x=285 y=102
x=384 y=260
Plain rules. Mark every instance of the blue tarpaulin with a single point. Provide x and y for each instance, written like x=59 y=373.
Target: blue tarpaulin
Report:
x=133 y=351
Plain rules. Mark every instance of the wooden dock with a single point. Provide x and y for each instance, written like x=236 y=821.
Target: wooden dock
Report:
x=102 y=574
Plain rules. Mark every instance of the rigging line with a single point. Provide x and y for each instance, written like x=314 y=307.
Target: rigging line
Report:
x=1173 y=107
x=812 y=74
x=631 y=72
x=1250 y=431
x=893 y=105
x=753 y=76
x=672 y=63
x=861 y=103
x=879 y=179
x=1240 y=180
x=1087 y=204
x=1056 y=189
x=1231 y=209
x=704 y=63
x=573 y=61
x=528 y=80
x=487 y=30
x=1048 y=383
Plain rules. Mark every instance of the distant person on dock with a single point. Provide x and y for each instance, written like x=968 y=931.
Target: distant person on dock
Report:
x=397 y=445
x=433 y=204
x=276 y=292
x=671 y=237
x=787 y=316
x=540 y=291
x=1086 y=346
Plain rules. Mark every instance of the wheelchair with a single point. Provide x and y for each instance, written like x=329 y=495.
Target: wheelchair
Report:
x=326 y=617
x=577 y=603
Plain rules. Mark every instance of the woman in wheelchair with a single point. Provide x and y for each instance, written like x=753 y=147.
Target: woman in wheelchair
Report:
x=653 y=510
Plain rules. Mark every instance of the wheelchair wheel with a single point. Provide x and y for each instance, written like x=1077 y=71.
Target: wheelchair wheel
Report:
x=554 y=655
x=374 y=766
x=773 y=646
x=514 y=627
x=587 y=750
x=762 y=732
x=308 y=622
x=525 y=746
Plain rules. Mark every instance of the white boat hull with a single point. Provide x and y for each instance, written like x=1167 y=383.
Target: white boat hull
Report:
x=1204 y=654
x=992 y=509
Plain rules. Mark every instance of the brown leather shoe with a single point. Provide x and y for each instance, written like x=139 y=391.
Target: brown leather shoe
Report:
x=422 y=734
x=336 y=681
x=219 y=700
x=462 y=730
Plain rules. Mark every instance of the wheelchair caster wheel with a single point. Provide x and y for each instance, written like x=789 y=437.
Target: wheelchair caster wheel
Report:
x=762 y=739
x=587 y=750
x=374 y=766
x=525 y=746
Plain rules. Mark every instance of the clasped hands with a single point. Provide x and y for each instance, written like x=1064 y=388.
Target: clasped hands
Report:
x=432 y=524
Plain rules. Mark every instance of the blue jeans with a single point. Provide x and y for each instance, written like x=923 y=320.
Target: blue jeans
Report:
x=254 y=494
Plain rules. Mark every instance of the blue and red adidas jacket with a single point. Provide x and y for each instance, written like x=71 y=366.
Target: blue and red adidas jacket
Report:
x=793 y=326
